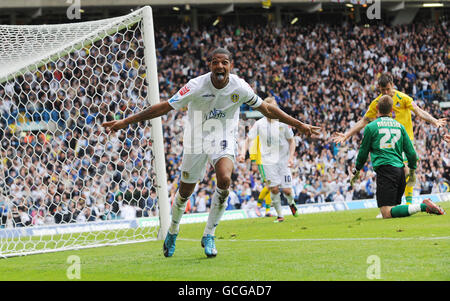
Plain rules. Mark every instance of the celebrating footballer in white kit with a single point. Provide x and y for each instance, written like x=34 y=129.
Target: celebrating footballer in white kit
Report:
x=213 y=116
x=213 y=102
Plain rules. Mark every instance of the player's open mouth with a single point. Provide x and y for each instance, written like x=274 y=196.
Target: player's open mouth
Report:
x=220 y=75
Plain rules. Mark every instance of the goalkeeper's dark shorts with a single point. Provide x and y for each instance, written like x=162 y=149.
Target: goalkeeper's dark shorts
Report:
x=391 y=183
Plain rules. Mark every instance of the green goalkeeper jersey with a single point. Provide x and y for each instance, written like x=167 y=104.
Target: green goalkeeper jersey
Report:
x=385 y=139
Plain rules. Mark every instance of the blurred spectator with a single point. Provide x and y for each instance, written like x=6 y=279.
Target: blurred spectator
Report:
x=200 y=202
x=150 y=208
x=127 y=211
x=338 y=197
x=3 y=214
x=251 y=205
x=233 y=200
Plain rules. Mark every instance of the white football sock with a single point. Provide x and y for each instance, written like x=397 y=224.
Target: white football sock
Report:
x=290 y=198
x=414 y=209
x=276 y=203
x=218 y=206
x=178 y=208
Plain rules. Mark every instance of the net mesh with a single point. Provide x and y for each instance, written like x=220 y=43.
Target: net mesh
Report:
x=64 y=182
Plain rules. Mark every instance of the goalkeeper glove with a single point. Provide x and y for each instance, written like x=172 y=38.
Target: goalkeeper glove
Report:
x=411 y=178
x=355 y=177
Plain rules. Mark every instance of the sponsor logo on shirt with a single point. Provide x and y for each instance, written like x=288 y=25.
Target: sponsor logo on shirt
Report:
x=184 y=90
x=215 y=113
x=175 y=98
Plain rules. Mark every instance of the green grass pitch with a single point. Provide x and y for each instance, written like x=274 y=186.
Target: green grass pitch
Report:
x=322 y=246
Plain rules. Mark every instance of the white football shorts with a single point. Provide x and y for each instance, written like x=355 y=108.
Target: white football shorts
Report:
x=278 y=175
x=193 y=166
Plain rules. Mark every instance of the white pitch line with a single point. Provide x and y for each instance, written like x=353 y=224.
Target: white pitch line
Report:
x=326 y=239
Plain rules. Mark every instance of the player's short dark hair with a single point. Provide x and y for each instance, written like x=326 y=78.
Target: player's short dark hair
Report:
x=220 y=51
x=385 y=104
x=385 y=79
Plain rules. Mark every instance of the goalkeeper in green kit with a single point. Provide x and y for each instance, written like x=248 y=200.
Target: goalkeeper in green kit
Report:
x=385 y=139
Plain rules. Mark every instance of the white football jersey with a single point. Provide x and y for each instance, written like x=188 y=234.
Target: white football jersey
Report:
x=273 y=139
x=213 y=114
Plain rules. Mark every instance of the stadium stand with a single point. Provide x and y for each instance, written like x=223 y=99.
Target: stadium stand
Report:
x=322 y=73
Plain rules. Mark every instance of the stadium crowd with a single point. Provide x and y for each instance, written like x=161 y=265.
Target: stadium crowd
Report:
x=323 y=74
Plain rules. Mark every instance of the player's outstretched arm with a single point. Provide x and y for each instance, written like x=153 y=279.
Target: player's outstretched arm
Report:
x=362 y=156
x=342 y=137
x=291 y=152
x=424 y=115
x=273 y=112
x=447 y=138
x=151 y=112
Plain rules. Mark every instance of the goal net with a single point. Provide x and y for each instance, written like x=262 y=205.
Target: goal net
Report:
x=65 y=183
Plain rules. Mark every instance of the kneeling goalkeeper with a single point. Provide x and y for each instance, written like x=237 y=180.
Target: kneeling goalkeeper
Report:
x=385 y=139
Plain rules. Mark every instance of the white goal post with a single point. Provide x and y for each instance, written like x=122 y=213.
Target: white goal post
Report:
x=64 y=183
